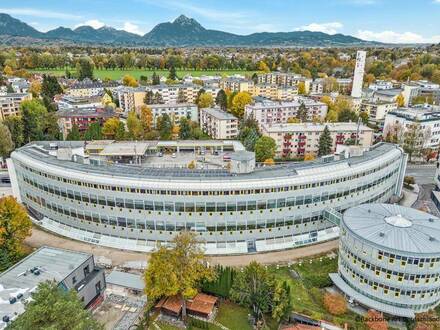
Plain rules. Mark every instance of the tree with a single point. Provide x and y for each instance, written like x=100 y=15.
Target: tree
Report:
x=130 y=81
x=74 y=134
x=221 y=100
x=309 y=157
x=33 y=115
x=400 y=100
x=205 y=100
x=84 y=69
x=185 y=129
x=15 y=126
x=93 y=132
x=158 y=99
x=50 y=87
x=53 y=308
x=325 y=142
x=35 y=88
x=282 y=301
x=302 y=88
x=112 y=128
x=181 y=98
x=293 y=120
x=269 y=162
x=335 y=303
x=249 y=133
x=302 y=113
x=146 y=117
x=265 y=148
x=134 y=126
x=346 y=115
x=177 y=270
x=15 y=225
x=165 y=127
x=254 y=78
x=149 y=97
x=172 y=73
x=239 y=102
x=374 y=320
x=262 y=66
x=155 y=79
x=6 y=143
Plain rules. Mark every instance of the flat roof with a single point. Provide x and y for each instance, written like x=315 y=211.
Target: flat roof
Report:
x=286 y=127
x=395 y=227
x=126 y=149
x=39 y=152
x=126 y=280
x=53 y=264
x=219 y=114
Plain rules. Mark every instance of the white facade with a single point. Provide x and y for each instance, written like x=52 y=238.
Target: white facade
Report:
x=377 y=110
x=270 y=112
x=218 y=124
x=428 y=120
x=297 y=140
x=10 y=103
x=175 y=111
x=359 y=71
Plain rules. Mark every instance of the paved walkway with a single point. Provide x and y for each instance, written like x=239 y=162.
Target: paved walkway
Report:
x=40 y=237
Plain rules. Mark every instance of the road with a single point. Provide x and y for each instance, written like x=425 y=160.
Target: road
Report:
x=423 y=174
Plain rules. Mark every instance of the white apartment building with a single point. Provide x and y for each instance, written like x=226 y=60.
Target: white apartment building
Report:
x=270 y=112
x=10 y=103
x=175 y=111
x=170 y=93
x=297 y=140
x=130 y=98
x=359 y=71
x=317 y=86
x=284 y=79
x=409 y=92
x=218 y=124
x=381 y=85
x=377 y=110
x=89 y=88
x=75 y=102
x=427 y=117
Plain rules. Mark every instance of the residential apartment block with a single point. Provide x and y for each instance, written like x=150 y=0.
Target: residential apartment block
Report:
x=274 y=92
x=284 y=79
x=377 y=110
x=175 y=111
x=10 y=103
x=234 y=84
x=82 y=118
x=270 y=112
x=296 y=140
x=71 y=270
x=218 y=124
x=88 y=88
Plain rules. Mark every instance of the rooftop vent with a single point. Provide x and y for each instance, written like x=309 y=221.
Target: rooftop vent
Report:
x=431 y=238
x=431 y=219
x=381 y=234
x=19 y=296
x=12 y=300
x=5 y=319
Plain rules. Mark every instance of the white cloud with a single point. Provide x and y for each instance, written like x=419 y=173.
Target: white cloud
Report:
x=132 y=28
x=94 y=23
x=330 y=28
x=38 y=13
x=396 y=37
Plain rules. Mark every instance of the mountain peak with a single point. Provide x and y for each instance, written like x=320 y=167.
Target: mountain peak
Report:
x=183 y=20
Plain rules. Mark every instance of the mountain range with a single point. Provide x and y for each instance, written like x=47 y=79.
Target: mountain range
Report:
x=182 y=32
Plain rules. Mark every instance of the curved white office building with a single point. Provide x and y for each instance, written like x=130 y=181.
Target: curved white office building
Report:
x=132 y=195
x=389 y=258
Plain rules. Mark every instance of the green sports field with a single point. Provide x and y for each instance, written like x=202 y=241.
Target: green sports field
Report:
x=118 y=74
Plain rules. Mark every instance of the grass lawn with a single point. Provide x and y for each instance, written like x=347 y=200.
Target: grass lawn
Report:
x=307 y=293
x=233 y=316
x=118 y=74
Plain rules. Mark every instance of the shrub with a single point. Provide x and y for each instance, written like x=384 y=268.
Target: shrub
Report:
x=335 y=303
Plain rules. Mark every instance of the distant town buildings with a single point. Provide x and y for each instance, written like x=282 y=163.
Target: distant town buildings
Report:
x=297 y=140
x=218 y=124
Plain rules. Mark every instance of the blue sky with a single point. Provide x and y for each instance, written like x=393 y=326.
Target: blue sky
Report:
x=382 y=20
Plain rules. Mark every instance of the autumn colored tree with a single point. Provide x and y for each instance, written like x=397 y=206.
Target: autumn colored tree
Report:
x=129 y=81
x=308 y=157
x=15 y=225
x=6 y=143
x=335 y=303
x=239 y=102
x=146 y=116
x=205 y=100
x=113 y=128
x=134 y=126
x=400 y=100
x=177 y=270
x=374 y=320
x=293 y=120
x=301 y=88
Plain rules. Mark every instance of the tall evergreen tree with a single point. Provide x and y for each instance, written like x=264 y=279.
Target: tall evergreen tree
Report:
x=158 y=99
x=172 y=75
x=155 y=79
x=302 y=113
x=94 y=132
x=149 y=97
x=74 y=134
x=325 y=142
x=184 y=129
x=84 y=69
x=181 y=97
x=221 y=99
x=165 y=127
